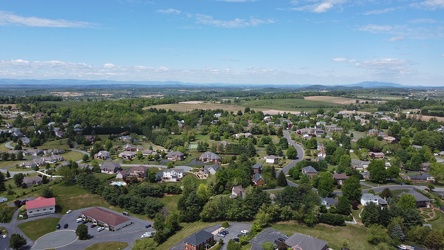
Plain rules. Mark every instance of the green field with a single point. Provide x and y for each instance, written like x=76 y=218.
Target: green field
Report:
x=354 y=235
x=75 y=197
x=37 y=228
x=288 y=104
x=112 y=245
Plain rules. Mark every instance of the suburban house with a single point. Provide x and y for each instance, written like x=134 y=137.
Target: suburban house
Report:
x=271 y=159
x=257 y=168
x=176 y=156
x=310 y=171
x=110 y=167
x=246 y=135
x=198 y=241
x=376 y=155
x=128 y=155
x=304 y=242
x=210 y=157
x=148 y=152
x=359 y=165
x=329 y=202
x=371 y=198
x=423 y=177
x=421 y=200
x=237 y=191
x=104 y=155
x=138 y=172
x=40 y=206
x=211 y=169
x=108 y=219
x=31 y=181
x=258 y=180
x=340 y=178
x=122 y=175
x=389 y=139
x=25 y=141
x=170 y=175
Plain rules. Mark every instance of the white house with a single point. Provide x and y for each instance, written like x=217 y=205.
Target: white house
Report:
x=170 y=175
x=40 y=206
x=371 y=198
x=271 y=159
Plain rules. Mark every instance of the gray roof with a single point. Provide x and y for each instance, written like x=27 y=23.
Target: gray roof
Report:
x=257 y=166
x=305 y=242
x=210 y=155
x=198 y=238
x=309 y=169
x=329 y=201
x=418 y=196
x=257 y=177
x=267 y=235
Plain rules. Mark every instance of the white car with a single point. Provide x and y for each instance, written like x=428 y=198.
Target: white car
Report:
x=147 y=235
x=4 y=236
x=68 y=212
x=244 y=231
x=100 y=229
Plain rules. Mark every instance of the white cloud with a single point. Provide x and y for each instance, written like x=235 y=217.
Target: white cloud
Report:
x=396 y=38
x=8 y=19
x=430 y=4
x=169 y=11
x=235 y=23
x=108 y=65
x=339 y=59
x=379 y=12
x=317 y=6
x=376 y=28
x=323 y=7
x=423 y=20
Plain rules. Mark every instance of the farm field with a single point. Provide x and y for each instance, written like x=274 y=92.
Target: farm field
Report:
x=334 y=99
x=289 y=104
x=189 y=106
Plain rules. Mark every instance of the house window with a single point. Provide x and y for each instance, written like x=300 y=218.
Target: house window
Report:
x=30 y=212
x=50 y=208
x=38 y=210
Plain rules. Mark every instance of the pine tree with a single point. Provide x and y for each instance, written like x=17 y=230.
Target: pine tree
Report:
x=281 y=180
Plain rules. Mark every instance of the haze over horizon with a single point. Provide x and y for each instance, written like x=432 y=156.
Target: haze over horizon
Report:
x=325 y=42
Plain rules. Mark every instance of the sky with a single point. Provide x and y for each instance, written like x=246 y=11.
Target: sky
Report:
x=327 y=42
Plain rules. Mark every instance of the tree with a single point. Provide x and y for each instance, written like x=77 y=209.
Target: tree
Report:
x=377 y=171
x=2 y=182
x=370 y=214
x=434 y=240
x=292 y=153
x=282 y=180
x=18 y=179
x=142 y=244
x=271 y=149
x=20 y=155
x=326 y=184
x=47 y=192
x=343 y=206
x=232 y=245
x=351 y=189
x=85 y=158
x=8 y=175
x=17 y=241
x=377 y=234
x=437 y=171
x=82 y=232
x=397 y=233
x=407 y=201
x=386 y=193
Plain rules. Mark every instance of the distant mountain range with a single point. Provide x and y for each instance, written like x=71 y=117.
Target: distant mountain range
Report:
x=94 y=84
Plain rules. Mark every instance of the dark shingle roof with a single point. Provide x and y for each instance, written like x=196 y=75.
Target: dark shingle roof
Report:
x=305 y=242
x=198 y=238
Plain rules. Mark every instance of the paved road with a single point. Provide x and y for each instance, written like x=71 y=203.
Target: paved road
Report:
x=300 y=151
x=12 y=228
x=8 y=145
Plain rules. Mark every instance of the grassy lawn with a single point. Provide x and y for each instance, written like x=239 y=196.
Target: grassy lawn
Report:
x=112 y=245
x=187 y=230
x=37 y=228
x=75 y=197
x=170 y=202
x=72 y=155
x=355 y=235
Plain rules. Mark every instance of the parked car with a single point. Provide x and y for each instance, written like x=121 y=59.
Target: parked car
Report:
x=148 y=234
x=100 y=229
x=93 y=225
x=68 y=212
x=65 y=226
x=148 y=226
x=79 y=220
x=244 y=231
x=4 y=236
x=58 y=226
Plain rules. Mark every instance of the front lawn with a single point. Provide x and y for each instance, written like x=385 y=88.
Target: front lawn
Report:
x=75 y=197
x=112 y=245
x=354 y=235
x=37 y=228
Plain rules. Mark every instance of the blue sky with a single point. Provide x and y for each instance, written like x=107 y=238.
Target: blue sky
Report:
x=225 y=41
